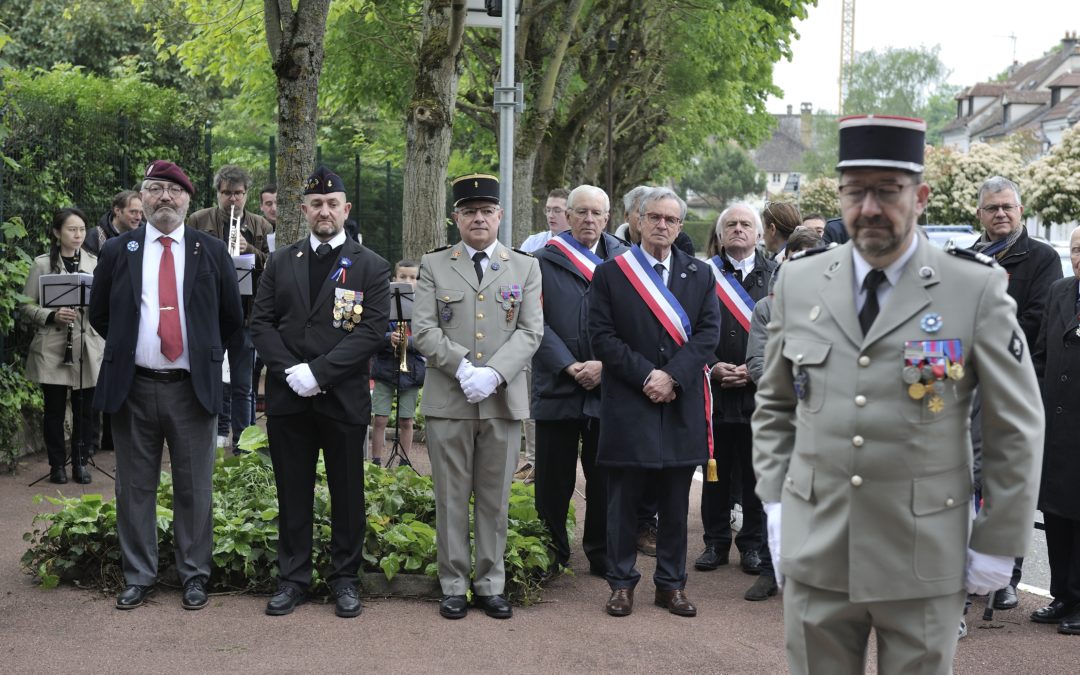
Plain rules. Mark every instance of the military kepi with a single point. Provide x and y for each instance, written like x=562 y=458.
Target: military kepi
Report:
x=324 y=182
x=159 y=169
x=476 y=187
x=882 y=142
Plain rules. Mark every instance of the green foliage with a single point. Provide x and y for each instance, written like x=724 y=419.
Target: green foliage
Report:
x=894 y=81
x=1054 y=190
x=955 y=178
x=78 y=542
x=820 y=196
x=724 y=172
x=820 y=159
x=20 y=403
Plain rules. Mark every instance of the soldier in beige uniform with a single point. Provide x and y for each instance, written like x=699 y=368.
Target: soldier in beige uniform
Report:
x=477 y=319
x=861 y=446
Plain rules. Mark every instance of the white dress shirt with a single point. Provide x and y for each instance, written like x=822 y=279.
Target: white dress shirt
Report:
x=666 y=262
x=892 y=273
x=489 y=251
x=335 y=241
x=148 y=348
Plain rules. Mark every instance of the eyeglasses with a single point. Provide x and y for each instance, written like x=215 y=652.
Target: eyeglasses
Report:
x=238 y=194
x=486 y=212
x=656 y=219
x=554 y=210
x=582 y=213
x=156 y=190
x=991 y=209
x=886 y=193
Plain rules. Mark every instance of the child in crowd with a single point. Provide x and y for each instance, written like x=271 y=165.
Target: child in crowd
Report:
x=386 y=371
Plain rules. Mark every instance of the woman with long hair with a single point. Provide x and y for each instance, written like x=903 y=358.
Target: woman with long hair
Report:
x=66 y=351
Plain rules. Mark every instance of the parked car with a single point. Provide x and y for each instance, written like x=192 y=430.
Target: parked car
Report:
x=961 y=235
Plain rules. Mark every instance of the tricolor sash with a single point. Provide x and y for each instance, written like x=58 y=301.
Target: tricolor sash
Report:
x=582 y=258
x=731 y=293
x=660 y=301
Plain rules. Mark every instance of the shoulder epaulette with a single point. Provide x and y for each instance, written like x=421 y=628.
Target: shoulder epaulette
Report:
x=968 y=254
x=518 y=250
x=807 y=252
x=441 y=248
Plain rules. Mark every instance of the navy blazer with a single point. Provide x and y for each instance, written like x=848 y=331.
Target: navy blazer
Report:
x=627 y=338
x=212 y=311
x=287 y=329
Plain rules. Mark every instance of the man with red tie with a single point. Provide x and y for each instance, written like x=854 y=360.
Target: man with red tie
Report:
x=166 y=300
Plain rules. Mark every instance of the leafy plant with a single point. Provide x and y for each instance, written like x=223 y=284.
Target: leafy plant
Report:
x=20 y=401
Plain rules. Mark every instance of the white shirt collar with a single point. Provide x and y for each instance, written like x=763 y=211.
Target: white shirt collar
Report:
x=893 y=272
x=335 y=241
x=490 y=250
x=666 y=262
x=153 y=234
x=746 y=264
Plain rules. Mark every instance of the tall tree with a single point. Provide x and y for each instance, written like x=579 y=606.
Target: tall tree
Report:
x=723 y=172
x=895 y=81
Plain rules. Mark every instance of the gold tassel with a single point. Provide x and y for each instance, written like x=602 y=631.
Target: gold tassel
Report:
x=710 y=473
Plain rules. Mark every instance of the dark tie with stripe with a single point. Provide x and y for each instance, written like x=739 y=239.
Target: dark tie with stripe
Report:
x=870 y=308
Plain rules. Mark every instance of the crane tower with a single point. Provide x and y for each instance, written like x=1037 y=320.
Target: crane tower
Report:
x=847 y=50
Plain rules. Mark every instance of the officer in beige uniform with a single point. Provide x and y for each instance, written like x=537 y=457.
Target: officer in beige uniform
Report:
x=861 y=443
x=477 y=319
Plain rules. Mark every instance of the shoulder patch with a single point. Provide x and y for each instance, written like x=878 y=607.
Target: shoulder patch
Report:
x=807 y=252
x=441 y=248
x=968 y=254
x=525 y=253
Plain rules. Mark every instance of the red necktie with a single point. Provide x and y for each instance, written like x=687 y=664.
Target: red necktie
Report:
x=172 y=340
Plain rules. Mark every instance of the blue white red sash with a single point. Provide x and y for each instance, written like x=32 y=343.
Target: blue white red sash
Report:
x=660 y=301
x=582 y=258
x=731 y=292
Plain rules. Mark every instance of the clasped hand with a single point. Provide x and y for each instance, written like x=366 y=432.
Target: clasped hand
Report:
x=301 y=380
x=659 y=387
x=477 y=383
x=585 y=373
x=730 y=375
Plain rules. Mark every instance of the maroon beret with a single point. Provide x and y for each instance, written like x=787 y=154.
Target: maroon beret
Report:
x=159 y=169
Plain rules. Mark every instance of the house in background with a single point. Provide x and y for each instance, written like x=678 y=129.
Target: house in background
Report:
x=778 y=159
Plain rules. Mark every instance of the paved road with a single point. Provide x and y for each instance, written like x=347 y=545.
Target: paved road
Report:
x=72 y=630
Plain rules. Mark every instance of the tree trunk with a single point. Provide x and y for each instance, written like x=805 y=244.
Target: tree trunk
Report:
x=428 y=126
x=295 y=39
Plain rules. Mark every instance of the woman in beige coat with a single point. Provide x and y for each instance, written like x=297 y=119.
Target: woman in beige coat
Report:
x=45 y=364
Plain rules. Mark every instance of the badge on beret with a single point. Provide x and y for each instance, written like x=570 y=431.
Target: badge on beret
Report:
x=133 y=246
x=1016 y=347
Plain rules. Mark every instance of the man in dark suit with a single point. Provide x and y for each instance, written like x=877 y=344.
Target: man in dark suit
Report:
x=566 y=380
x=319 y=317
x=654 y=323
x=166 y=300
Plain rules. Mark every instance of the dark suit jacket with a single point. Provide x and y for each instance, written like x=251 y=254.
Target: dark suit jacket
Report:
x=556 y=395
x=627 y=338
x=288 y=329
x=211 y=307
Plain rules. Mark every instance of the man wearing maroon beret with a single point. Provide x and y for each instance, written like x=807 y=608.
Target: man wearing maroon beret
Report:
x=166 y=300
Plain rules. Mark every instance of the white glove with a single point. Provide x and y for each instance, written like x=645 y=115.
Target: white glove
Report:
x=480 y=384
x=301 y=380
x=464 y=370
x=987 y=573
x=772 y=523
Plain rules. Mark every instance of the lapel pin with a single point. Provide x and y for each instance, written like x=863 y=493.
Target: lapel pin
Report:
x=931 y=323
x=683 y=275
x=835 y=266
x=456 y=254
x=133 y=246
x=815 y=312
x=926 y=272
x=504 y=255
x=300 y=254
x=197 y=245
x=692 y=267
x=495 y=266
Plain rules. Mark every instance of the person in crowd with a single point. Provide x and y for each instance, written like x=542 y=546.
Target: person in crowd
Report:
x=1032 y=267
x=835 y=231
x=778 y=221
x=390 y=378
x=1056 y=355
x=630 y=231
x=478 y=320
x=743 y=276
x=268 y=204
x=125 y=214
x=566 y=387
x=319 y=316
x=654 y=324
x=231 y=184
x=65 y=353
x=166 y=300
x=816 y=222
x=874 y=351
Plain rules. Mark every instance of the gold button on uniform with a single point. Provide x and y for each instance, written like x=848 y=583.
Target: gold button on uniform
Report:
x=479 y=355
x=860 y=400
x=856 y=481
x=480 y=296
x=864 y=360
x=480 y=315
x=949 y=501
x=798 y=358
x=857 y=441
x=479 y=336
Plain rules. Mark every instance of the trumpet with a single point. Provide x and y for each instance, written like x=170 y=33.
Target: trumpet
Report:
x=234 y=232
x=69 y=347
x=403 y=345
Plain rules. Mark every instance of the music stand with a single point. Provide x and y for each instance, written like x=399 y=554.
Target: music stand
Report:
x=71 y=290
x=401 y=295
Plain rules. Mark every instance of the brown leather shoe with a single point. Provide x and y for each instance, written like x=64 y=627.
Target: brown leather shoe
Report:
x=676 y=602
x=646 y=541
x=621 y=602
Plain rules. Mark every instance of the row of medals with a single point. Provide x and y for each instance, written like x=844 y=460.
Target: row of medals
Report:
x=347 y=313
x=926 y=385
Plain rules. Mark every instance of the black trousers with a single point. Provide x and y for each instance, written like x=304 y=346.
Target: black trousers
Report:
x=1063 y=551
x=84 y=426
x=625 y=488
x=731 y=442
x=555 y=477
x=295 y=441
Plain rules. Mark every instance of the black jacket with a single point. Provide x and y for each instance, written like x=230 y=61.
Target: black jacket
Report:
x=386 y=365
x=556 y=395
x=1032 y=266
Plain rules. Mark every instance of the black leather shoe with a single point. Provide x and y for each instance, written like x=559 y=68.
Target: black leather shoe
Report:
x=286 y=599
x=750 y=562
x=710 y=559
x=1055 y=612
x=621 y=602
x=495 y=606
x=675 y=601
x=453 y=607
x=79 y=474
x=1070 y=625
x=764 y=588
x=347 y=602
x=58 y=475
x=133 y=596
x=1006 y=598
x=194 y=596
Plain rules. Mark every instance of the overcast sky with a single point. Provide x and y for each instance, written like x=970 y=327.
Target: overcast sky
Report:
x=973 y=37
